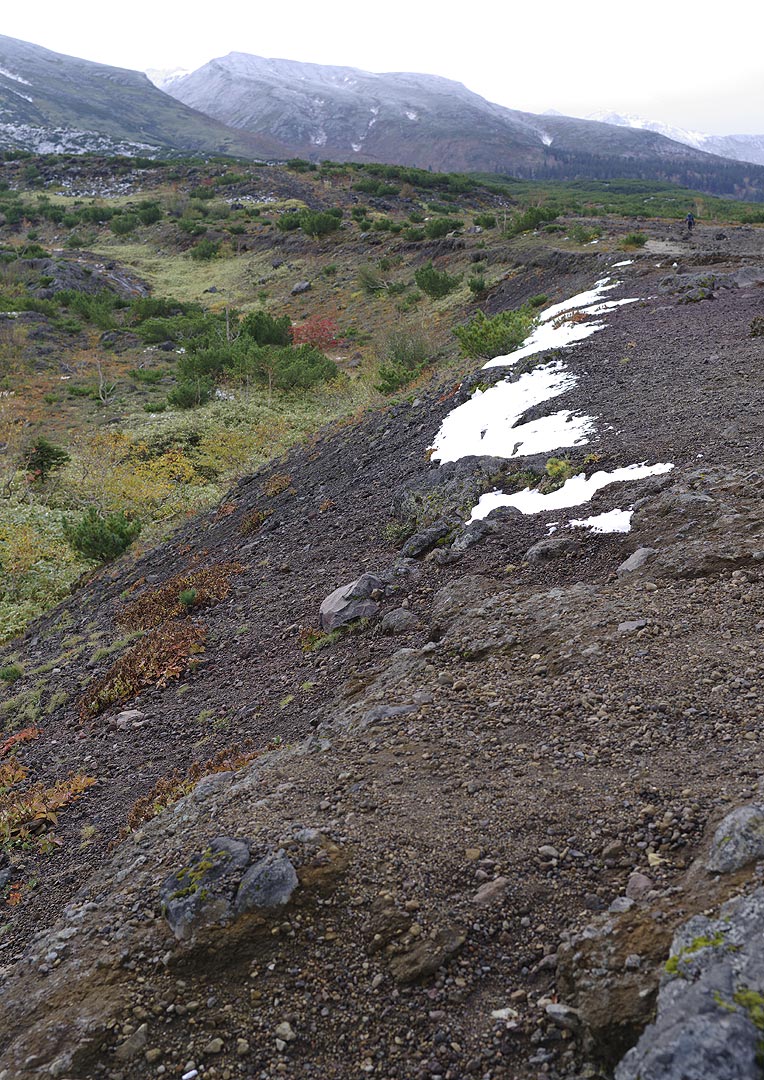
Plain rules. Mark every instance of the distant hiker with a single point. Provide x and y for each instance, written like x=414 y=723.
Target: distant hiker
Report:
x=690 y=219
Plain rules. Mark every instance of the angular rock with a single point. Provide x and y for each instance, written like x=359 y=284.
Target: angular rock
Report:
x=268 y=884
x=133 y=1045
x=425 y=959
x=638 y=886
x=386 y=712
x=552 y=547
x=490 y=892
x=350 y=602
x=301 y=287
x=635 y=561
x=738 y=840
x=422 y=542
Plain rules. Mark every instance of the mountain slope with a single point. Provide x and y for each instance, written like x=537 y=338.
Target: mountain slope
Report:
x=343 y=113
x=51 y=103
x=456 y=799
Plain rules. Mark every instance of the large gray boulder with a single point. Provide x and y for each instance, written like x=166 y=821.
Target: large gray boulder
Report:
x=349 y=602
x=710 y=1005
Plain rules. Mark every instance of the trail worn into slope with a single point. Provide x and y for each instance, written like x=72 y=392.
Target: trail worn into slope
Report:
x=455 y=809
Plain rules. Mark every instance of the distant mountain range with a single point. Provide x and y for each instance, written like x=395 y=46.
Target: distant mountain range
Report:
x=252 y=107
x=737 y=147
x=431 y=122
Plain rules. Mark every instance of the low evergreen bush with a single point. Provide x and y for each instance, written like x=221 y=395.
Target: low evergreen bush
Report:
x=103 y=538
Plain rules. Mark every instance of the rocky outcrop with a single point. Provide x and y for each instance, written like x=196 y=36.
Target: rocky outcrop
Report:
x=711 y=1002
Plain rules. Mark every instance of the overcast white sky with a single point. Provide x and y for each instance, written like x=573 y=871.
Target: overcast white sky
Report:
x=663 y=59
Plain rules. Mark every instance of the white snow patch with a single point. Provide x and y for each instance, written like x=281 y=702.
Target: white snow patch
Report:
x=580 y=300
x=319 y=138
x=411 y=114
x=547 y=336
x=356 y=146
x=626 y=262
x=14 y=76
x=546 y=139
x=613 y=521
x=555 y=332
x=487 y=424
x=574 y=492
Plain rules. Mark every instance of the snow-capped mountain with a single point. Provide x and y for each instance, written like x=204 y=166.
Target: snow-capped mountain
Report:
x=736 y=147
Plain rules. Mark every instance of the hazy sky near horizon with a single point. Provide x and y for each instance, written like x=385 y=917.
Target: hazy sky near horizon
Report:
x=661 y=60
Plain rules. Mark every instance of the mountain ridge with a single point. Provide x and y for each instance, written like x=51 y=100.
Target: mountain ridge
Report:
x=51 y=102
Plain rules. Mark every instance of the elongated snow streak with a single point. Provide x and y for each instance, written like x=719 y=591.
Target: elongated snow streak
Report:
x=580 y=300
x=574 y=492
x=613 y=521
x=485 y=425
x=547 y=336
x=554 y=333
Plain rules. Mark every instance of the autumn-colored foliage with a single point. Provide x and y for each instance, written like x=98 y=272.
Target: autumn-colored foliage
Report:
x=172 y=788
x=252 y=521
x=316 y=331
x=155 y=606
x=276 y=484
x=27 y=812
x=155 y=660
x=20 y=737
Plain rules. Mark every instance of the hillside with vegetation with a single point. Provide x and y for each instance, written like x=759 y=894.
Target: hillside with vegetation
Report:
x=309 y=763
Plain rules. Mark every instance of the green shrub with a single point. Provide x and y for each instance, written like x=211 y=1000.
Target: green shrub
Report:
x=190 y=393
x=150 y=213
x=436 y=283
x=10 y=673
x=319 y=224
x=289 y=221
x=528 y=219
x=124 y=224
x=205 y=250
x=477 y=284
x=44 y=458
x=633 y=240
x=289 y=367
x=440 y=226
x=485 y=337
x=265 y=329
x=150 y=376
x=188 y=598
x=485 y=221
x=405 y=354
x=102 y=538
x=584 y=234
